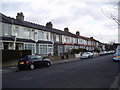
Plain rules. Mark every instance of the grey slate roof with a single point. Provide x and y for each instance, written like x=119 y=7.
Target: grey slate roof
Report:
x=10 y=20
x=17 y=39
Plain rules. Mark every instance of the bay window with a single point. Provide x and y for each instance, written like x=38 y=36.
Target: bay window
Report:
x=45 y=49
x=30 y=47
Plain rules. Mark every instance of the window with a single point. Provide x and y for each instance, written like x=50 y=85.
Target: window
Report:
x=1 y=45
x=50 y=49
x=52 y=36
x=6 y=29
x=47 y=36
x=27 y=33
x=60 y=49
x=16 y=31
x=66 y=39
x=71 y=39
x=30 y=47
x=45 y=49
x=57 y=38
x=39 y=57
x=40 y=35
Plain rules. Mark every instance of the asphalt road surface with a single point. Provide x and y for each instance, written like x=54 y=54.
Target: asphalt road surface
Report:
x=97 y=72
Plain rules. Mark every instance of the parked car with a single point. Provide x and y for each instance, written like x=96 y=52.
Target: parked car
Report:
x=33 y=61
x=116 y=56
x=87 y=55
x=103 y=53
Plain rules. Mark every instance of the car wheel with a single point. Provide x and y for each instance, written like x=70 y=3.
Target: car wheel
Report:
x=47 y=64
x=32 y=66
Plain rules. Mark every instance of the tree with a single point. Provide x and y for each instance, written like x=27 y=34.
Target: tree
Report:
x=113 y=17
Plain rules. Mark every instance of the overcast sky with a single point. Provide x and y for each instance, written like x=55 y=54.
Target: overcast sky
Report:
x=78 y=15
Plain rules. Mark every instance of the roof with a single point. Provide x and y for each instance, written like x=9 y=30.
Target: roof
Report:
x=45 y=42
x=10 y=20
x=17 y=39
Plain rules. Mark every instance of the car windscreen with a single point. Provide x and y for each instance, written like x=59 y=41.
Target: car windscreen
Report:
x=35 y=57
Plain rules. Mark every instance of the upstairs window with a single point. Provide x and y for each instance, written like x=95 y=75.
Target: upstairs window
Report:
x=41 y=35
x=6 y=29
x=47 y=36
x=27 y=33
x=57 y=38
x=16 y=31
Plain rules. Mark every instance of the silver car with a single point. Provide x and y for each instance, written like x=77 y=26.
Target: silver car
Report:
x=87 y=55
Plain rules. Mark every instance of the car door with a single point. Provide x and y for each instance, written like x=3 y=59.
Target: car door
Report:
x=39 y=60
x=35 y=61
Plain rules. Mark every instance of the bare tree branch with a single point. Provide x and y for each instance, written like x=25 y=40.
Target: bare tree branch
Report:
x=110 y=15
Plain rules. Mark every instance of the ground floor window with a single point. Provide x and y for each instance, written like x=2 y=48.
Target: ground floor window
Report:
x=1 y=45
x=30 y=47
x=60 y=49
x=68 y=48
x=45 y=49
x=76 y=47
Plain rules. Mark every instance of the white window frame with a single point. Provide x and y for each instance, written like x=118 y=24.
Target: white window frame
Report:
x=26 y=33
x=57 y=38
x=30 y=46
x=6 y=29
x=45 y=49
x=16 y=31
x=47 y=36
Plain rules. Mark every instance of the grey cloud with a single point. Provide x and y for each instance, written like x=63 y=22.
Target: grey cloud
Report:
x=11 y=7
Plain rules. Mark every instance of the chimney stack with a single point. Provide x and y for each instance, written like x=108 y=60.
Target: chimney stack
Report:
x=20 y=16
x=49 y=25
x=66 y=29
x=91 y=37
x=77 y=33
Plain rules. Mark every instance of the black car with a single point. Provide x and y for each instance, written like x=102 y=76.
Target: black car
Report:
x=33 y=61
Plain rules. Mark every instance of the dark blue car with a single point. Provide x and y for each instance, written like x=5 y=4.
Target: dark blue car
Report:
x=33 y=61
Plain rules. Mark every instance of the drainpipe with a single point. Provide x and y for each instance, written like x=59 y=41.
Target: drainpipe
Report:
x=14 y=37
x=14 y=43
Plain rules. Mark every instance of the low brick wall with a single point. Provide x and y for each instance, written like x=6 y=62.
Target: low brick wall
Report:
x=61 y=57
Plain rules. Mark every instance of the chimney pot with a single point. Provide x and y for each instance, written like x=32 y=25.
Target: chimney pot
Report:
x=66 y=29
x=77 y=33
x=49 y=25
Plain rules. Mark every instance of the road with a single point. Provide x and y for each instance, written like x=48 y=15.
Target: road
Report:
x=98 y=72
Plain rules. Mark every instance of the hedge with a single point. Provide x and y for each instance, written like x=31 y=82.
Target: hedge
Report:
x=8 y=55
